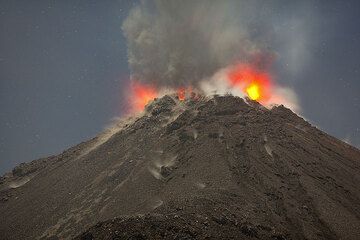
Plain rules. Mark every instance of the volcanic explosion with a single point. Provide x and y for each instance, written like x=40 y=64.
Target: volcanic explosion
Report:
x=201 y=51
x=141 y=95
x=209 y=157
x=251 y=81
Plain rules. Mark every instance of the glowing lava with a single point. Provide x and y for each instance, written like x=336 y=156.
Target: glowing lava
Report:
x=253 y=92
x=141 y=95
x=181 y=94
x=184 y=93
x=252 y=81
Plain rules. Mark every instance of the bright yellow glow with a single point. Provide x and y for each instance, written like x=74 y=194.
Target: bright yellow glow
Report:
x=253 y=91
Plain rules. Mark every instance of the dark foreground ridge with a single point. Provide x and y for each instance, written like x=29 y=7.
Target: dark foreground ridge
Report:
x=211 y=168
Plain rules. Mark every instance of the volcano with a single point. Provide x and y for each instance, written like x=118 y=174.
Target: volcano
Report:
x=218 y=167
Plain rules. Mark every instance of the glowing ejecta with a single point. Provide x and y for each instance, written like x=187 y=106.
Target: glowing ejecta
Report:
x=253 y=81
x=141 y=94
x=253 y=92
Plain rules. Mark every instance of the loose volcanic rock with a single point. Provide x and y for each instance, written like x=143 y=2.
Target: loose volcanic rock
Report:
x=207 y=168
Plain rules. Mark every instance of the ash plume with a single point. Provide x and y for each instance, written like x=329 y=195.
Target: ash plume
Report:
x=177 y=43
x=173 y=44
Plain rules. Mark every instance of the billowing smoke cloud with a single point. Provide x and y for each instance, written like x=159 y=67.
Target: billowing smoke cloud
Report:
x=175 y=43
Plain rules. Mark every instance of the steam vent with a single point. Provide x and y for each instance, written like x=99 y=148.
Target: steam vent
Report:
x=216 y=167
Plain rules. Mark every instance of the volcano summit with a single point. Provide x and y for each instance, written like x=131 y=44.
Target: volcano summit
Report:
x=217 y=167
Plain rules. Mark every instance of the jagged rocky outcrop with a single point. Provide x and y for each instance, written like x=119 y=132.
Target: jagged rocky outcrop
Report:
x=206 y=168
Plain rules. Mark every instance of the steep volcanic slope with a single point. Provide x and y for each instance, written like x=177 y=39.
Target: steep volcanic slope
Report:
x=212 y=168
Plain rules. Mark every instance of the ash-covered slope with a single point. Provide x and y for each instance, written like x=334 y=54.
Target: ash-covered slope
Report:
x=215 y=168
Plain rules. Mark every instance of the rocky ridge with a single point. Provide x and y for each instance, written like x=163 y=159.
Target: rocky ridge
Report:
x=211 y=168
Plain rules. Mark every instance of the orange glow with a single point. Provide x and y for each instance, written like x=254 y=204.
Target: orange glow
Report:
x=185 y=93
x=181 y=94
x=141 y=95
x=253 y=91
x=252 y=81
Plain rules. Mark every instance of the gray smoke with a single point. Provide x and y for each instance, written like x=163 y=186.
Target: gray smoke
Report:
x=177 y=43
x=172 y=43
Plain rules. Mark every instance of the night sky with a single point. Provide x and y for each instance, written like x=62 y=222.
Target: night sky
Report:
x=63 y=68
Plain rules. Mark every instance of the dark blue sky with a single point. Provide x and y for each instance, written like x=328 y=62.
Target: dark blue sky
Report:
x=61 y=68
x=63 y=65
x=330 y=88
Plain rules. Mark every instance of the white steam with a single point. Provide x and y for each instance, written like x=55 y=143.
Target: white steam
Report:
x=218 y=84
